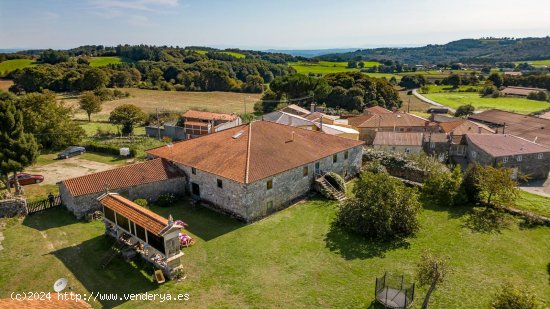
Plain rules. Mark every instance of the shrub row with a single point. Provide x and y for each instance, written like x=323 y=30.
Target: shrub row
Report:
x=107 y=149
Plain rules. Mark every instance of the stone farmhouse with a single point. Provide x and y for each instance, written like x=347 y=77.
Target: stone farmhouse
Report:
x=404 y=142
x=253 y=170
x=248 y=171
x=198 y=123
x=146 y=180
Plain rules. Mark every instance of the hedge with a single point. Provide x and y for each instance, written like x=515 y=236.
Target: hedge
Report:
x=107 y=149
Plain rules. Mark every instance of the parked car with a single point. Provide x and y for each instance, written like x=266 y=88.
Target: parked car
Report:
x=71 y=152
x=26 y=179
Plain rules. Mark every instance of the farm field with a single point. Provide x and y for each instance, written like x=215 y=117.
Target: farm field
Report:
x=177 y=101
x=12 y=65
x=326 y=67
x=313 y=264
x=230 y=53
x=413 y=105
x=536 y=63
x=518 y=105
x=104 y=61
x=5 y=84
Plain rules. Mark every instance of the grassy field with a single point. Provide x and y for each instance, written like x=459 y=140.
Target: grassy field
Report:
x=518 y=105
x=536 y=63
x=12 y=65
x=230 y=53
x=413 y=105
x=176 y=101
x=326 y=67
x=294 y=258
x=533 y=202
x=104 y=61
x=5 y=84
x=91 y=128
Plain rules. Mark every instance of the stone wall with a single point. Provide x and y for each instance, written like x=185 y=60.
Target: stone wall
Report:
x=13 y=207
x=81 y=205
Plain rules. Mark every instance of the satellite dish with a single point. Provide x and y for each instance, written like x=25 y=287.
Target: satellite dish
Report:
x=60 y=285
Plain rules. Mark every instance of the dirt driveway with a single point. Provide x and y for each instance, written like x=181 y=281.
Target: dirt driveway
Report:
x=68 y=168
x=540 y=187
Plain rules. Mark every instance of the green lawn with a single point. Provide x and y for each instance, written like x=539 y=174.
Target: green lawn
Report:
x=456 y=99
x=104 y=61
x=536 y=63
x=326 y=67
x=294 y=258
x=533 y=202
x=12 y=65
x=230 y=53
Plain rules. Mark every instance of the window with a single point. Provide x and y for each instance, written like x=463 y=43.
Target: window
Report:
x=460 y=150
x=306 y=171
x=317 y=167
x=432 y=145
x=220 y=183
x=407 y=150
x=519 y=158
x=335 y=158
x=270 y=184
x=473 y=154
x=505 y=159
x=346 y=155
x=539 y=156
x=193 y=171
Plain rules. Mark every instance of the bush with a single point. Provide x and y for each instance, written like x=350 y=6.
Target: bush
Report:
x=107 y=149
x=445 y=188
x=382 y=208
x=512 y=297
x=142 y=202
x=336 y=181
x=465 y=110
x=538 y=96
x=166 y=200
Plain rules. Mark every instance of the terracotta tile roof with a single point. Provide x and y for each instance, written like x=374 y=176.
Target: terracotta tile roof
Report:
x=499 y=145
x=528 y=127
x=296 y=110
x=255 y=151
x=122 y=177
x=436 y=137
x=464 y=126
x=208 y=115
x=317 y=115
x=142 y=216
x=378 y=110
x=394 y=119
x=357 y=120
x=53 y=303
x=522 y=91
x=398 y=139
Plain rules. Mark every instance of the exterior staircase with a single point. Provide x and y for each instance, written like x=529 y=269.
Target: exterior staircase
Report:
x=338 y=195
x=114 y=251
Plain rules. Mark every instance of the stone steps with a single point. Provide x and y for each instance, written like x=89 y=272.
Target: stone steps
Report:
x=339 y=196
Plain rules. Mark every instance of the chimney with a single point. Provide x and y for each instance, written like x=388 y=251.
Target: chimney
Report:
x=479 y=130
x=312 y=108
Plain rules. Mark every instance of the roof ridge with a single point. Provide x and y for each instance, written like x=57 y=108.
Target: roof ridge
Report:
x=247 y=165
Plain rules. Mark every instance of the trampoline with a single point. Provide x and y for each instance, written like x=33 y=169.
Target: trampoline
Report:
x=394 y=292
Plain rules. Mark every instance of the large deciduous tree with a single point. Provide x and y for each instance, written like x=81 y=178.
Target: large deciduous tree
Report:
x=495 y=186
x=94 y=78
x=90 y=103
x=128 y=116
x=18 y=149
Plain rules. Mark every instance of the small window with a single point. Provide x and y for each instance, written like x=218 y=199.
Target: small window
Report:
x=269 y=205
x=519 y=158
x=220 y=183
x=270 y=184
x=473 y=154
x=306 y=171
x=193 y=171
x=346 y=155
x=407 y=150
x=539 y=156
x=505 y=160
x=432 y=145
x=335 y=158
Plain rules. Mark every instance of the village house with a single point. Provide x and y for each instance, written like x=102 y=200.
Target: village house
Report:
x=403 y=142
x=437 y=144
x=524 y=157
x=146 y=180
x=376 y=110
x=296 y=110
x=253 y=170
x=457 y=129
x=199 y=123
x=520 y=91
x=531 y=128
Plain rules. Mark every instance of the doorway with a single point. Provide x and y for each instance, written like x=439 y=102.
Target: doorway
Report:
x=195 y=190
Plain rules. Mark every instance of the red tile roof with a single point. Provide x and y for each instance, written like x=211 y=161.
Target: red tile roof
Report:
x=500 y=145
x=464 y=126
x=521 y=91
x=378 y=110
x=296 y=110
x=151 y=221
x=398 y=139
x=255 y=151
x=122 y=177
x=394 y=119
x=208 y=115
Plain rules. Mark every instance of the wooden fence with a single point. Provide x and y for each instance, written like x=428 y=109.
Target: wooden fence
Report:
x=44 y=204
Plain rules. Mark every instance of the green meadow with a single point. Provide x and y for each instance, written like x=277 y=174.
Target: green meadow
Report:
x=12 y=65
x=104 y=61
x=230 y=53
x=327 y=67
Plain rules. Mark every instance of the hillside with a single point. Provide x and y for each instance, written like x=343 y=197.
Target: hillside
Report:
x=466 y=51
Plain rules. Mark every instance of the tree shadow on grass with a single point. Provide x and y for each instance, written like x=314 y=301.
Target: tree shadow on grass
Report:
x=84 y=262
x=50 y=218
x=487 y=220
x=453 y=211
x=548 y=271
x=352 y=246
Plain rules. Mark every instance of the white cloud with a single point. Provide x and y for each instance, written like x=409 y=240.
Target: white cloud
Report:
x=140 y=5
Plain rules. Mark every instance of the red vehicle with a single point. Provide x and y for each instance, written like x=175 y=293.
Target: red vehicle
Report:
x=26 y=179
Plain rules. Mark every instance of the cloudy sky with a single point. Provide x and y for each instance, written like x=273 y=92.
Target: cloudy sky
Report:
x=258 y=24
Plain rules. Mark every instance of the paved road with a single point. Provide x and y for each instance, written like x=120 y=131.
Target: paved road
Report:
x=424 y=99
x=540 y=187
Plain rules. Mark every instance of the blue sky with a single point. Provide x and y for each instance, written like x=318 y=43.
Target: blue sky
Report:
x=296 y=24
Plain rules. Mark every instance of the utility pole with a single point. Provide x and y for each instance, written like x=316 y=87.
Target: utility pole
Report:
x=244 y=102
x=158 y=124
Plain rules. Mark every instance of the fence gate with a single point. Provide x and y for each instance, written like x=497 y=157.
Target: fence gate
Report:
x=44 y=204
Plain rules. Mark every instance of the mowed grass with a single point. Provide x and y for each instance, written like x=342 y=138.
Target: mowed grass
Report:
x=294 y=258
x=175 y=101
x=326 y=67
x=12 y=65
x=534 y=203
x=104 y=61
x=518 y=105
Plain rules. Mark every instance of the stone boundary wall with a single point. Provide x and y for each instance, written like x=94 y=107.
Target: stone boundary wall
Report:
x=13 y=207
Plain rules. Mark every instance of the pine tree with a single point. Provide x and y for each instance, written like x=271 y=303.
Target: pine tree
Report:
x=17 y=148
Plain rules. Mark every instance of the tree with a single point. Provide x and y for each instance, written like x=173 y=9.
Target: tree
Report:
x=412 y=81
x=495 y=186
x=496 y=79
x=53 y=56
x=465 y=110
x=514 y=297
x=431 y=270
x=18 y=149
x=128 y=116
x=352 y=64
x=299 y=85
x=538 y=96
x=454 y=80
x=94 y=78
x=382 y=208
x=90 y=103
x=361 y=64
x=445 y=188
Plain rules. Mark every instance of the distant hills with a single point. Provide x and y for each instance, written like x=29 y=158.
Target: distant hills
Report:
x=488 y=50
x=309 y=53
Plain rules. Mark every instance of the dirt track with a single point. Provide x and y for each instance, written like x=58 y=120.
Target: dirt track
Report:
x=68 y=168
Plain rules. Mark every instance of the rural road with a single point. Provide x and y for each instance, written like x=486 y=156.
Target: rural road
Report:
x=424 y=99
